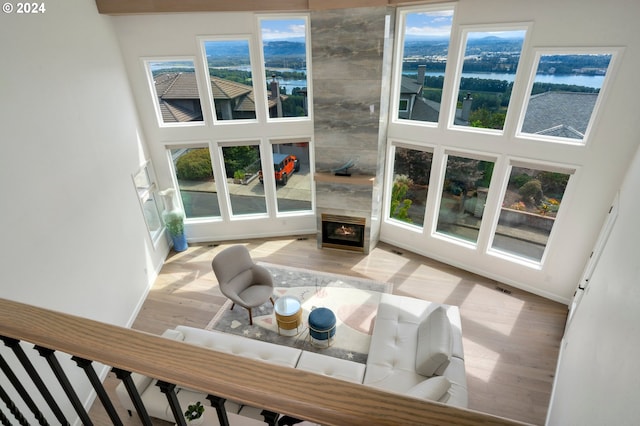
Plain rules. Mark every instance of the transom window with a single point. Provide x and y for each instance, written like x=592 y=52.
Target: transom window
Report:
x=284 y=50
x=174 y=86
x=563 y=95
x=489 y=65
x=425 y=36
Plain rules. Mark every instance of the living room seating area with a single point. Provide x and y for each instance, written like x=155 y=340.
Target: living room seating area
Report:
x=416 y=350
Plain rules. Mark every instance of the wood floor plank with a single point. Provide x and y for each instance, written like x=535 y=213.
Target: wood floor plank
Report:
x=511 y=338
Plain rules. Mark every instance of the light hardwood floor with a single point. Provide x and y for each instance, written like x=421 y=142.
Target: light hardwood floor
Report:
x=511 y=338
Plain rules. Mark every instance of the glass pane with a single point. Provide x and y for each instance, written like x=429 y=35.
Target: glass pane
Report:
x=151 y=215
x=242 y=167
x=285 y=61
x=528 y=213
x=411 y=171
x=464 y=194
x=564 y=94
x=488 y=71
x=142 y=181
x=292 y=174
x=195 y=182
x=231 y=81
x=176 y=89
x=424 y=58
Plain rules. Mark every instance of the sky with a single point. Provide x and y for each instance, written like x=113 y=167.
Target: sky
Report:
x=281 y=29
x=438 y=24
x=433 y=24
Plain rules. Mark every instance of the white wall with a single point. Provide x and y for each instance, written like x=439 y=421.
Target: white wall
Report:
x=73 y=235
x=598 y=374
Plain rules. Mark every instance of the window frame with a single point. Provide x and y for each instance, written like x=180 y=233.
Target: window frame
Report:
x=154 y=96
x=401 y=21
x=486 y=220
x=256 y=80
x=462 y=38
x=389 y=178
x=228 y=206
x=143 y=194
x=571 y=170
x=263 y=70
x=174 y=179
x=603 y=94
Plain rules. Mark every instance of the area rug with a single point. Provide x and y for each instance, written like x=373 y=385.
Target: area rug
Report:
x=353 y=300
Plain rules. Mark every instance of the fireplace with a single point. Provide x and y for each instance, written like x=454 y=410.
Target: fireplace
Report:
x=343 y=232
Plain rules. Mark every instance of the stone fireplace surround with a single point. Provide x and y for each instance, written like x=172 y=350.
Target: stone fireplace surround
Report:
x=350 y=102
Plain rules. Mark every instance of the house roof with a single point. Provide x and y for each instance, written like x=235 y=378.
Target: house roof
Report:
x=409 y=85
x=563 y=114
x=183 y=85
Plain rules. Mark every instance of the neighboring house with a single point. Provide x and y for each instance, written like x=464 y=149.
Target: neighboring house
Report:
x=559 y=114
x=180 y=101
x=178 y=97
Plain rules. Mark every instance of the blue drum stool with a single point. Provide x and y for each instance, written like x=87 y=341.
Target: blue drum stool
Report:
x=322 y=325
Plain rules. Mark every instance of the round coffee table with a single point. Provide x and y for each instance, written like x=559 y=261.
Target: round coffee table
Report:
x=288 y=313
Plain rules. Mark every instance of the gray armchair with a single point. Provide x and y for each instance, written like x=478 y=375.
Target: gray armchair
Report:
x=241 y=280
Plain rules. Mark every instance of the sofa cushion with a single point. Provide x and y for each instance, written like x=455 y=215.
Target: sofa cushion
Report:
x=242 y=346
x=434 y=343
x=329 y=366
x=433 y=388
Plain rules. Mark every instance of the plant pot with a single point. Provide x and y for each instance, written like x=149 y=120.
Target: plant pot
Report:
x=195 y=422
x=179 y=243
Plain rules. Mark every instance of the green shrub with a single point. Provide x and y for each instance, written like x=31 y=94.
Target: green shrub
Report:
x=531 y=192
x=194 y=165
x=520 y=180
x=399 y=204
x=553 y=184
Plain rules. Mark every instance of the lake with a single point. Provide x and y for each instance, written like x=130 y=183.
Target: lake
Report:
x=595 y=81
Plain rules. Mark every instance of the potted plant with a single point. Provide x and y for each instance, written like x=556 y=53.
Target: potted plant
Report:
x=173 y=217
x=194 y=412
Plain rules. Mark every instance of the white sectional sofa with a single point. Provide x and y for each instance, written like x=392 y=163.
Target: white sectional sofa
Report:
x=416 y=349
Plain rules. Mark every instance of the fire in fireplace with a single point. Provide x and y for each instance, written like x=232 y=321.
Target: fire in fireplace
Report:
x=344 y=232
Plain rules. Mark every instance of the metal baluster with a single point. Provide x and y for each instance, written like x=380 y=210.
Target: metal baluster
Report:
x=4 y=419
x=35 y=377
x=85 y=364
x=169 y=390
x=12 y=407
x=218 y=403
x=50 y=356
x=130 y=386
x=4 y=366
x=270 y=417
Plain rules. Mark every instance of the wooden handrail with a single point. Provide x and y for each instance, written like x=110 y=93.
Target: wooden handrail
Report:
x=128 y=7
x=283 y=390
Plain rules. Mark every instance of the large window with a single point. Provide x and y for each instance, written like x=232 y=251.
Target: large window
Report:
x=242 y=168
x=284 y=49
x=486 y=80
x=425 y=45
x=411 y=174
x=464 y=194
x=530 y=204
x=194 y=174
x=564 y=94
x=292 y=176
x=175 y=88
